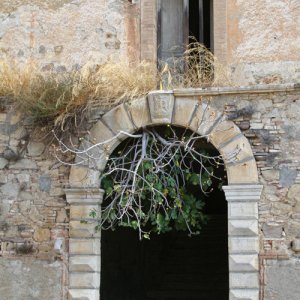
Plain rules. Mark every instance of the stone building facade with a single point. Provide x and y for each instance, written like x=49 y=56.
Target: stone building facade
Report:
x=46 y=253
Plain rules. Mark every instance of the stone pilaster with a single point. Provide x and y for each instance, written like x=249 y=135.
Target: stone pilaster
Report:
x=84 y=244
x=243 y=241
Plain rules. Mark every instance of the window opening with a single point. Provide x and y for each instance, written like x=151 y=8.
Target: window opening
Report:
x=178 y=20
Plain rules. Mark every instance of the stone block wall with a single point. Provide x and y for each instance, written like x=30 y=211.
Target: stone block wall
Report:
x=271 y=122
x=34 y=213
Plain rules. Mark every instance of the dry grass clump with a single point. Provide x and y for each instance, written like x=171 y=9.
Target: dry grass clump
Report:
x=112 y=83
x=198 y=68
x=51 y=98
x=41 y=96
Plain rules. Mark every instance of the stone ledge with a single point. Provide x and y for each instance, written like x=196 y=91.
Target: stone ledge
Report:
x=240 y=193
x=84 y=195
x=257 y=89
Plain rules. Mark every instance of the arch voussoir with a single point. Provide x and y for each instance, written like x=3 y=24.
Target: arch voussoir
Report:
x=139 y=112
x=118 y=119
x=184 y=111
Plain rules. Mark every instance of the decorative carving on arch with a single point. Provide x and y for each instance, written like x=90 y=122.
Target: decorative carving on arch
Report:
x=242 y=192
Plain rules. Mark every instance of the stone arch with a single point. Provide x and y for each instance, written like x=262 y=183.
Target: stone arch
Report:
x=242 y=192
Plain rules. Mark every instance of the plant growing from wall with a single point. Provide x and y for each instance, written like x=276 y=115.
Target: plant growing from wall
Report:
x=150 y=181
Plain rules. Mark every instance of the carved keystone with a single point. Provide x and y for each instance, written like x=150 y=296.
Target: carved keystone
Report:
x=161 y=105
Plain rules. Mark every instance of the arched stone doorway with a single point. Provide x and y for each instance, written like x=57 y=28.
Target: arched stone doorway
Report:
x=242 y=192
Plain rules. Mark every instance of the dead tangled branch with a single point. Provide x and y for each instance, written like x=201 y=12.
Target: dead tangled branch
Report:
x=147 y=180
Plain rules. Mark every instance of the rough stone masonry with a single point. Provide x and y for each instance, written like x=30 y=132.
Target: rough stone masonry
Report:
x=34 y=217
x=258 y=40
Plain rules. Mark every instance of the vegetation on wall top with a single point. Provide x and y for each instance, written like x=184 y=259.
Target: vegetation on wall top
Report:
x=52 y=98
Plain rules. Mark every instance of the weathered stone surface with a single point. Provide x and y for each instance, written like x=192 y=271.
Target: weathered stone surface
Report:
x=282 y=280
x=24 y=164
x=41 y=234
x=30 y=279
x=22 y=178
x=243 y=227
x=240 y=280
x=244 y=294
x=243 y=263
x=10 y=154
x=19 y=134
x=61 y=216
x=35 y=148
x=161 y=104
x=80 y=230
x=84 y=280
x=287 y=176
x=270 y=175
x=183 y=110
x=240 y=245
x=296 y=245
x=245 y=210
x=139 y=111
x=84 y=246
x=86 y=294
x=118 y=120
x=45 y=182
x=3 y=163
x=243 y=173
x=223 y=133
x=10 y=189
x=81 y=263
x=80 y=212
x=81 y=176
x=294 y=192
x=272 y=230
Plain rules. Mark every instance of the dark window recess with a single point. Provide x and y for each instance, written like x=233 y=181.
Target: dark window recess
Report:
x=178 y=20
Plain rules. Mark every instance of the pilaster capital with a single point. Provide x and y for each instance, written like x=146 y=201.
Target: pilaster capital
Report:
x=84 y=195
x=243 y=193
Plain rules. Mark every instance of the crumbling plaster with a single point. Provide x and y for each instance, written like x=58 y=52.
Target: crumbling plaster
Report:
x=263 y=41
x=63 y=35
